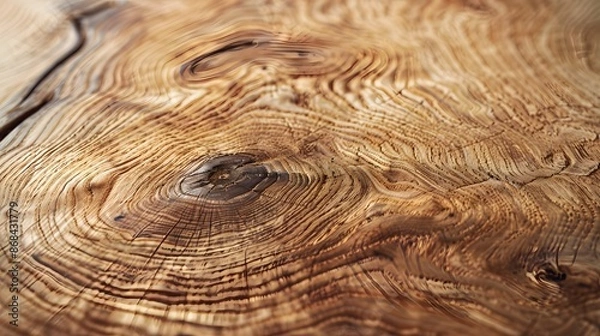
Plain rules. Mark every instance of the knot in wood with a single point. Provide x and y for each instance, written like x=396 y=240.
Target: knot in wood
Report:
x=228 y=177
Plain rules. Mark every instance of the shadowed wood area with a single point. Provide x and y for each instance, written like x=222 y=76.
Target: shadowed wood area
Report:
x=301 y=167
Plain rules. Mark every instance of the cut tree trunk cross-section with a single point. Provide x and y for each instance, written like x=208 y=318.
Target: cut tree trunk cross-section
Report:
x=182 y=167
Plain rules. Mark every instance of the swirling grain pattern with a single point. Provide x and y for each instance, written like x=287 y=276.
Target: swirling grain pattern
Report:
x=302 y=167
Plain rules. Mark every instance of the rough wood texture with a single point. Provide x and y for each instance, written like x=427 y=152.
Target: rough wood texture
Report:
x=319 y=167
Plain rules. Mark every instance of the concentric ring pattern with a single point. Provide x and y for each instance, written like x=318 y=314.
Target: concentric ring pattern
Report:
x=302 y=167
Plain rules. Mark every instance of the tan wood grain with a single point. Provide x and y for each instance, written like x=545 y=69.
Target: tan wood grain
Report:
x=302 y=167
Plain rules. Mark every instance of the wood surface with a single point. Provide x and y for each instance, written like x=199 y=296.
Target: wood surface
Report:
x=301 y=167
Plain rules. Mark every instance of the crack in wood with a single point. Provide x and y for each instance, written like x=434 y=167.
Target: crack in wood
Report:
x=24 y=110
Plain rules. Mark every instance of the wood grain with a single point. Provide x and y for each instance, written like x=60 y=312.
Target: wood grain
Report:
x=289 y=167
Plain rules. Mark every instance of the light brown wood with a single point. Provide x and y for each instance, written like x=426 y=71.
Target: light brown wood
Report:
x=319 y=167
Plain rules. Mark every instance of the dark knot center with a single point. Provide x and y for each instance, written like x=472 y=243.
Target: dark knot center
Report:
x=226 y=177
x=220 y=176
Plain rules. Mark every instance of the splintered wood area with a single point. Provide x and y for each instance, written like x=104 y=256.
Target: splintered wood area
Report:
x=301 y=167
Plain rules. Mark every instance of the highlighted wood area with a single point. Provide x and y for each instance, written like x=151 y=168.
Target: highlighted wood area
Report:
x=183 y=167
